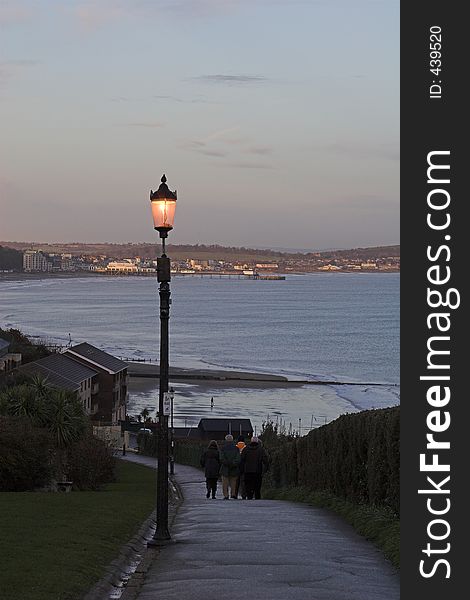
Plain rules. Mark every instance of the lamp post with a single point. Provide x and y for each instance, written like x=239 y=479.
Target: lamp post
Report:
x=163 y=203
x=172 y=434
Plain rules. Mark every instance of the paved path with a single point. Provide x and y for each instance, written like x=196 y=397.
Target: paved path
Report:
x=265 y=550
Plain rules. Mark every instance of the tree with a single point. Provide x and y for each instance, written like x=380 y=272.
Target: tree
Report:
x=145 y=414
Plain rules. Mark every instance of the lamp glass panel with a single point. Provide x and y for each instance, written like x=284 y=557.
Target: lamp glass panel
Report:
x=163 y=212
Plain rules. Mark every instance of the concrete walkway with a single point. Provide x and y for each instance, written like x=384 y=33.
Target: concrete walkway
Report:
x=262 y=549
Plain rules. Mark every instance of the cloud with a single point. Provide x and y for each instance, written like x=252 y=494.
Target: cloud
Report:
x=229 y=143
x=231 y=79
x=261 y=150
x=215 y=153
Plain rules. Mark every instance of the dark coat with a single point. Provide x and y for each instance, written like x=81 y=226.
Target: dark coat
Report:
x=211 y=463
x=254 y=459
x=230 y=460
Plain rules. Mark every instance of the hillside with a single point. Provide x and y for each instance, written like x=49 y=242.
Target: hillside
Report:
x=201 y=251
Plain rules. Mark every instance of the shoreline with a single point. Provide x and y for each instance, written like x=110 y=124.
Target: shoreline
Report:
x=230 y=378
x=81 y=274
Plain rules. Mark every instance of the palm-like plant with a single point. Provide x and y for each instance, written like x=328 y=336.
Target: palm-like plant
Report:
x=40 y=385
x=145 y=414
x=21 y=401
x=65 y=417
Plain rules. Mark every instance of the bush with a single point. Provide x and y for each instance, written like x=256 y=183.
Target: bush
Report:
x=22 y=344
x=355 y=457
x=25 y=459
x=90 y=463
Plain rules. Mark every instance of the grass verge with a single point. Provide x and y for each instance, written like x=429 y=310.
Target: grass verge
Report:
x=378 y=525
x=56 y=546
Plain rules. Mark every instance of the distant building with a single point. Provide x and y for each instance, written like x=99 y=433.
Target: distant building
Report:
x=8 y=360
x=216 y=429
x=123 y=266
x=267 y=266
x=36 y=261
x=112 y=379
x=66 y=374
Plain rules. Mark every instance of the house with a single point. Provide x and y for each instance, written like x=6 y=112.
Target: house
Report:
x=215 y=429
x=8 y=360
x=67 y=374
x=112 y=379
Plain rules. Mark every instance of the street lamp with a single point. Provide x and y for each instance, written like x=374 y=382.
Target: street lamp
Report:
x=163 y=203
x=172 y=434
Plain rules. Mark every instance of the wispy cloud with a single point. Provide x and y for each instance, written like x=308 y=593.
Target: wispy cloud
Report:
x=231 y=79
x=230 y=143
x=261 y=150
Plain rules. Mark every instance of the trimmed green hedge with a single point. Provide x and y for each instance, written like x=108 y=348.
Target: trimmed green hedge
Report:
x=356 y=457
x=187 y=452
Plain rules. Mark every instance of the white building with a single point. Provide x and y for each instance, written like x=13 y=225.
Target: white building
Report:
x=35 y=260
x=122 y=266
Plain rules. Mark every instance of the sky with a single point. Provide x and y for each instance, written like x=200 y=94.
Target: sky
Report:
x=275 y=120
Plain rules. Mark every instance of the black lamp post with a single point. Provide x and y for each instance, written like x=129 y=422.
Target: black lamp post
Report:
x=163 y=203
x=172 y=434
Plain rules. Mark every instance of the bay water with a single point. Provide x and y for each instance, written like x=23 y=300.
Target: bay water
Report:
x=327 y=326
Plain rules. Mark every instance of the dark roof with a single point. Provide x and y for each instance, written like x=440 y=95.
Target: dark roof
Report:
x=187 y=432
x=67 y=367
x=53 y=378
x=99 y=357
x=225 y=425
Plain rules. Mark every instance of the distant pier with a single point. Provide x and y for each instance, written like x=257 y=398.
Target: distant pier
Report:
x=229 y=274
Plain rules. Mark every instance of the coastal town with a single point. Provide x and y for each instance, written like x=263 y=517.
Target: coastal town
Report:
x=193 y=260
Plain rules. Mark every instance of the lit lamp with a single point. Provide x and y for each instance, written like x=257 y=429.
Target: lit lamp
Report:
x=163 y=203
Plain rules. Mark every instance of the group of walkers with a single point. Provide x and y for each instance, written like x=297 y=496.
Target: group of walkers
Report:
x=241 y=467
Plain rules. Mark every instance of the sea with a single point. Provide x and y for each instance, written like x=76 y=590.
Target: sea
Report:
x=331 y=327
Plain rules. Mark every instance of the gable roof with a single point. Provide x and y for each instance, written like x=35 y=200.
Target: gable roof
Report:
x=96 y=357
x=61 y=371
x=225 y=424
x=53 y=378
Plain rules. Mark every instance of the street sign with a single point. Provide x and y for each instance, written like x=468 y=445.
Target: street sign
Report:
x=166 y=404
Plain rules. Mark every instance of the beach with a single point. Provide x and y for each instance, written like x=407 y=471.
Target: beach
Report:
x=293 y=404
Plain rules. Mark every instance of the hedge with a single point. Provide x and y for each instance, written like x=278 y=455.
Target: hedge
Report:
x=355 y=457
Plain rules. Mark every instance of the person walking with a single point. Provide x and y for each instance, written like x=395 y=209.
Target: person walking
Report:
x=230 y=467
x=240 y=488
x=211 y=462
x=254 y=462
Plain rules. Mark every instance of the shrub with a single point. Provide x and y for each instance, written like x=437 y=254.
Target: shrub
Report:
x=355 y=457
x=25 y=460
x=90 y=463
x=22 y=344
